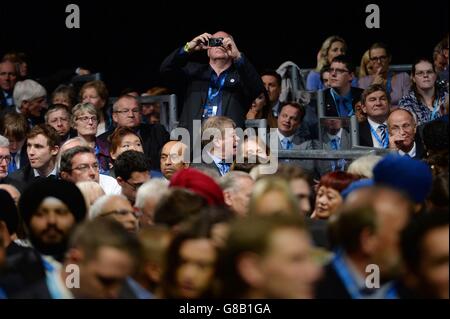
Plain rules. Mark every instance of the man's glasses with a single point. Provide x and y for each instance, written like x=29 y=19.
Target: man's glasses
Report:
x=134 y=111
x=86 y=119
x=337 y=71
x=6 y=158
x=381 y=58
x=85 y=167
x=135 y=186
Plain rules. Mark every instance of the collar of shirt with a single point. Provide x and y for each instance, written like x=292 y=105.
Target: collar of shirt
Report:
x=281 y=136
x=36 y=173
x=411 y=153
x=215 y=159
x=347 y=97
x=375 y=124
x=332 y=137
x=275 y=109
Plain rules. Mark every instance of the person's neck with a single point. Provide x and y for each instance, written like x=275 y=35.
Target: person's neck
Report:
x=45 y=170
x=218 y=153
x=427 y=95
x=89 y=139
x=408 y=149
x=359 y=262
x=219 y=65
x=343 y=91
x=378 y=119
x=254 y=293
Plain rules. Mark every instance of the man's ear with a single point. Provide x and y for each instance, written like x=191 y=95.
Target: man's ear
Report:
x=65 y=175
x=249 y=268
x=364 y=108
x=227 y=197
x=114 y=117
x=74 y=255
x=54 y=150
x=120 y=181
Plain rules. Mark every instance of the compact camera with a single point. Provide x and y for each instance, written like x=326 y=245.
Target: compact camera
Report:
x=215 y=42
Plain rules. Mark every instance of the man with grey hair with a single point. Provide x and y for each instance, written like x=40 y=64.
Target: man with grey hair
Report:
x=118 y=208
x=147 y=197
x=108 y=183
x=126 y=112
x=237 y=188
x=403 y=137
x=5 y=158
x=30 y=98
x=8 y=78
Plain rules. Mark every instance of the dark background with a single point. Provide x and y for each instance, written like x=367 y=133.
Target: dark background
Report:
x=128 y=40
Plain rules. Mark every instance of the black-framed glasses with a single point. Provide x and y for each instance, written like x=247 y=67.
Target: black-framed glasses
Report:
x=85 y=167
x=6 y=158
x=337 y=71
x=122 y=212
x=381 y=58
x=135 y=186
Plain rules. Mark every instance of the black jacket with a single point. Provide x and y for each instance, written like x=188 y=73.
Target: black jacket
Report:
x=331 y=286
x=330 y=107
x=243 y=84
x=153 y=136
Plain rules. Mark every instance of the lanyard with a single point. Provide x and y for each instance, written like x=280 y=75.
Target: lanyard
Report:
x=212 y=95
x=334 y=95
x=374 y=133
x=350 y=284
x=50 y=273
x=389 y=83
x=435 y=112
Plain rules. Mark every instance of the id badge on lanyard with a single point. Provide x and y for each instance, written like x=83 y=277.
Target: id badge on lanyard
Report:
x=209 y=110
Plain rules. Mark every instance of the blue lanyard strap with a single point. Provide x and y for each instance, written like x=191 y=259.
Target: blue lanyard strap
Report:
x=375 y=135
x=212 y=95
x=389 y=83
x=435 y=114
x=350 y=284
x=334 y=95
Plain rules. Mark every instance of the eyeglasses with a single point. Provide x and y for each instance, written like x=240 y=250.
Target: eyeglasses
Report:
x=123 y=212
x=134 y=111
x=86 y=119
x=381 y=58
x=6 y=158
x=85 y=167
x=338 y=71
x=423 y=73
x=397 y=129
x=135 y=186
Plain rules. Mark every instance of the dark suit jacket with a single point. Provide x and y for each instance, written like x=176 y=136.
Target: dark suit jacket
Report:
x=243 y=84
x=330 y=286
x=365 y=136
x=154 y=136
x=330 y=107
x=205 y=167
x=23 y=177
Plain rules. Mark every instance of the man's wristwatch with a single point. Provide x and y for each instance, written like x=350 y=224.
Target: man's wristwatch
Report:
x=186 y=47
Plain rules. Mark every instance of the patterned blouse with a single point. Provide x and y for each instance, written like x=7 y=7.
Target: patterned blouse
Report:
x=422 y=111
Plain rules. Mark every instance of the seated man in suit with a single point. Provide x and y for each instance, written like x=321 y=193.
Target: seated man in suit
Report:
x=219 y=149
x=42 y=149
x=126 y=112
x=402 y=128
x=14 y=127
x=289 y=120
x=375 y=103
x=340 y=99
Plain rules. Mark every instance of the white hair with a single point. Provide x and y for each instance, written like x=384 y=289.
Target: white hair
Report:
x=26 y=91
x=97 y=208
x=364 y=165
x=154 y=189
x=4 y=142
x=231 y=179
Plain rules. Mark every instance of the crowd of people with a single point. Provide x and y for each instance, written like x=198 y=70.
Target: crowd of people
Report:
x=99 y=200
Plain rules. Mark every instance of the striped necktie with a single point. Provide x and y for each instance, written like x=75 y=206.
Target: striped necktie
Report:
x=382 y=128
